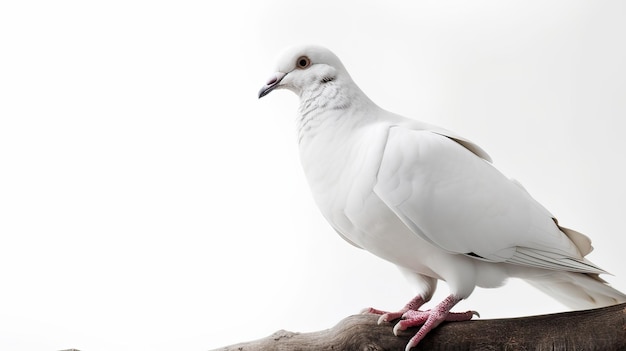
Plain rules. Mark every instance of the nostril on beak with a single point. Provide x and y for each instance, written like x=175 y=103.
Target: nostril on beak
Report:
x=271 y=84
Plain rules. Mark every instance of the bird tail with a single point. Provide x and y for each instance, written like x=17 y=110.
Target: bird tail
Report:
x=578 y=291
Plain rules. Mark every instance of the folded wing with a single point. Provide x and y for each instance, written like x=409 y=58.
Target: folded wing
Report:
x=445 y=191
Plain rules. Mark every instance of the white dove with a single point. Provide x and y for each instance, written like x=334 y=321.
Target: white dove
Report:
x=426 y=199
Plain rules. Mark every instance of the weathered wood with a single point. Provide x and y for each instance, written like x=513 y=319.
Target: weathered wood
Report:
x=597 y=329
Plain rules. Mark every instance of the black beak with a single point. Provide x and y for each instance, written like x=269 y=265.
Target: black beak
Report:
x=271 y=84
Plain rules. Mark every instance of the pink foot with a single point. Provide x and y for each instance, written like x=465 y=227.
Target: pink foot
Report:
x=415 y=318
x=413 y=305
x=431 y=319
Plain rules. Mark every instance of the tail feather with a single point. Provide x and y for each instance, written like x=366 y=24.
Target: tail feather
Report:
x=578 y=291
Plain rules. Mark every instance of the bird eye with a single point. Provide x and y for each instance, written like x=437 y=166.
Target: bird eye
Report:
x=303 y=62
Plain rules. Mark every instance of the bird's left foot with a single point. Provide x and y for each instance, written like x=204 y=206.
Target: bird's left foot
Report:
x=429 y=319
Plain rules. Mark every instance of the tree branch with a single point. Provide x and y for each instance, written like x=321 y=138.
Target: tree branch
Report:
x=597 y=329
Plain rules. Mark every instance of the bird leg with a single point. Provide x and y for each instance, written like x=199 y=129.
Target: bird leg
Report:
x=430 y=319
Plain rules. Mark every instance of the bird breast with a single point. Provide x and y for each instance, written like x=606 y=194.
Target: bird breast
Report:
x=341 y=167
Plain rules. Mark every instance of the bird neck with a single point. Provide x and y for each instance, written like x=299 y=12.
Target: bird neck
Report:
x=330 y=105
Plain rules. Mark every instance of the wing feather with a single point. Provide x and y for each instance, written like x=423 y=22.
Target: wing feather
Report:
x=459 y=202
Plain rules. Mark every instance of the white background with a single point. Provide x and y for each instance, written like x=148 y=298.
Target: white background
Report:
x=149 y=201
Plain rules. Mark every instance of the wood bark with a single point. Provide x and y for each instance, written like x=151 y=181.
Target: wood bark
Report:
x=596 y=329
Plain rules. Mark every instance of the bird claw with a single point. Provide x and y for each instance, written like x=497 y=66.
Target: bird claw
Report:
x=384 y=315
x=397 y=328
x=390 y=316
x=411 y=319
x=382 y=319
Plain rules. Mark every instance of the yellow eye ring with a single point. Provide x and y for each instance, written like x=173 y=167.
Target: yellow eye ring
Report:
x=303 y=62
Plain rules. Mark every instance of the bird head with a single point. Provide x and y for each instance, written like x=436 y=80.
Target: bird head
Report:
x=302 y=68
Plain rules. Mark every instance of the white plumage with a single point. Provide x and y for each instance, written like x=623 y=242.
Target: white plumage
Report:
x=426 y=199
